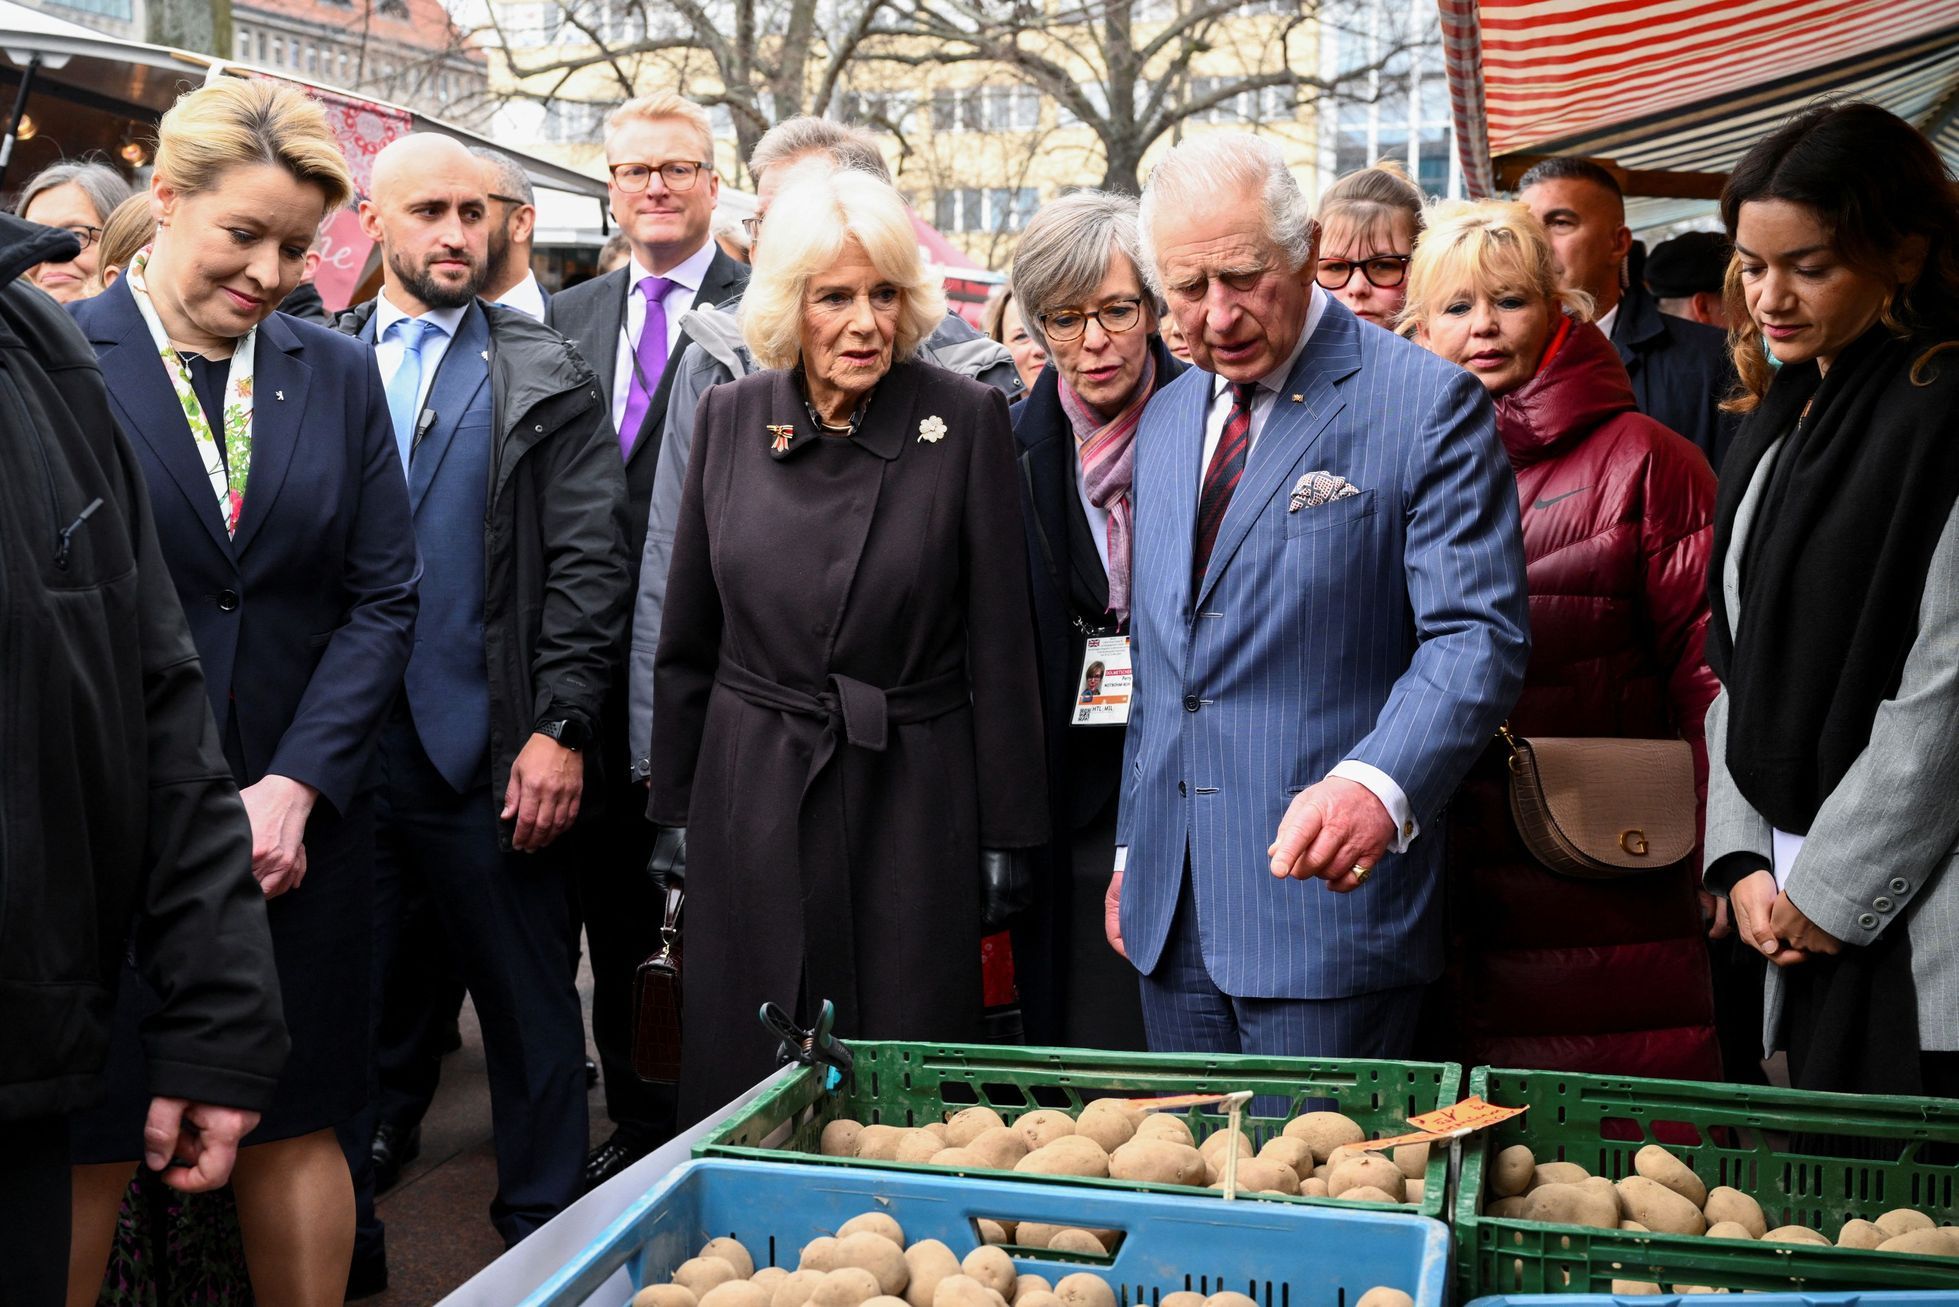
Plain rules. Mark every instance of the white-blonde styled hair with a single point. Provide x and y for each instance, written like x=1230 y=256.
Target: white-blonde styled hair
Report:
x=1469 y=246
x=818 y=211
x=1220 y=167
x=663 y=106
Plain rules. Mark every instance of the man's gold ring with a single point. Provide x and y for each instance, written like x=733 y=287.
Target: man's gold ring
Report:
x=1361 y=872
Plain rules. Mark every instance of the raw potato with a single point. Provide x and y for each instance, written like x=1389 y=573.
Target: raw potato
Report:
x=1725 y=1204
x=928 y=1261
x=1325 y=1131
x=1382 y=1296
x=886 y=1300
x=1511 y=1171
x=1794 y=1234
x=1924 y=1243
x=1257 y=1177
x=1511 y=1209
x=1414 y=1191
x=1038 y=1298
x=1312 y=1188
x=879 y=1143
x=1111 y=1129
x=1041 y=1127
x=1656 y=1163
x=1130 y=1114
x=1075 y=1241
x=731 y=1252
x=795 y=1289
x=1229 y=1299
x=1034 y=1234
x=1659 y=1208
x=847 y=1286
x=664 y=1295
x=965 y=1291
x=1903 y=1220
x=1287 y=1151
x=1166 y=1125
x=964 y=1127
x=878 y=1255
x=699 y=1274
x=1027 y=1284
x=1696 y=1288
x=965 y=1159
x=1412 y=1159
x=1369 y=1169
x=1082 y=1144
x=1057 y=1160
x=1084 y=1290
x=769 y=1276
x=1155 y=1161
x=992 y=1268
x=1570 y=1204
x=819 y=1255
x=1346 y=1151
x=1214 y=1144
x=1367 y=1193
x=874 y=1223
x=1635 y=1225
x=918 y=1146
x=1182 y=1298
x=1635 y=1288
x=991 y=1231
x=1558 y=1173
x=736 y=1293
x=840 y=1139
x=1000 y=1146
x=1860 y=1234
x=934 y=1128
x=1729 y=1230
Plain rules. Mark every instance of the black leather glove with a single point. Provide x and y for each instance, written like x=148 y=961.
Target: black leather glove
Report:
x=1006 y=887
x=668 y=861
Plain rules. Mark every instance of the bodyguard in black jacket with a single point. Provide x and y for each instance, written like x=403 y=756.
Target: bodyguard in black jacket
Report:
x=116 y=805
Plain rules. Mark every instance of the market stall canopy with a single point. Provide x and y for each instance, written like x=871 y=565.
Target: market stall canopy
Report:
x=1671 y=93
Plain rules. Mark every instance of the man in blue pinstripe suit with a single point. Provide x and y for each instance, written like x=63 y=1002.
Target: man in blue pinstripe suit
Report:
x=1329 y=624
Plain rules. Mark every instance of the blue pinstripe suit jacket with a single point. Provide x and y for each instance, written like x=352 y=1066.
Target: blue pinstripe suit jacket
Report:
x=1389 y=627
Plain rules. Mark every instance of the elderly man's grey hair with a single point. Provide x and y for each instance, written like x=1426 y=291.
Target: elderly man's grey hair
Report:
x=104 y=186
x=512 y=180
x=1066 y=251
x=792 y=138
x=1219 y=167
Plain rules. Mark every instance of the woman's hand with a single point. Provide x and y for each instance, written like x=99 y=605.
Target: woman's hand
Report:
x=1800 y=936
x=278 y=807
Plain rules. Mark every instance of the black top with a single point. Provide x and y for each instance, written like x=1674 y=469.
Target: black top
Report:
x=208 y=378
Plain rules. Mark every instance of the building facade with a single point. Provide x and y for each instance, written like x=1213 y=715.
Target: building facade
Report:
x=407 y=52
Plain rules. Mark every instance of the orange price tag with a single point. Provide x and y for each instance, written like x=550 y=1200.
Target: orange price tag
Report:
x=1466 y=1117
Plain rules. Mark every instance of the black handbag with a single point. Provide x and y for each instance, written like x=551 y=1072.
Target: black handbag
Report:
x=656 y=999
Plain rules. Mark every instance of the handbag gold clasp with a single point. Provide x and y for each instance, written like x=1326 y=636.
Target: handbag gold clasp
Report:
x=1633 y=842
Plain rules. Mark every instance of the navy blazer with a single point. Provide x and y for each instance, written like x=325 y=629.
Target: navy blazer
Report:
x=304 y=619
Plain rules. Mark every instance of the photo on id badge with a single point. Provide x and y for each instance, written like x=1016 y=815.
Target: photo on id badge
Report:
x=1102 y=695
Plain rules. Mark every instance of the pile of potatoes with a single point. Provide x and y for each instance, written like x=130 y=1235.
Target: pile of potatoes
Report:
x=1316 y=1156
x=867 y=1263
x=1664 y=1196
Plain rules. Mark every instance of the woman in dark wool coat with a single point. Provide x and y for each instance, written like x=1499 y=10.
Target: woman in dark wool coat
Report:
x=847 y=739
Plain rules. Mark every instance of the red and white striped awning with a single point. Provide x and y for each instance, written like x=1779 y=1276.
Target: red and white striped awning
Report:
x=1674 y=91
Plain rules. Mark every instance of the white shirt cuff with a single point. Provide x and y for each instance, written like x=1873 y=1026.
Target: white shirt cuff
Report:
x=1382 y=786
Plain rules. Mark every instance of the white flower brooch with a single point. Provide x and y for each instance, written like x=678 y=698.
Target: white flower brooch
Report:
x=932 y=430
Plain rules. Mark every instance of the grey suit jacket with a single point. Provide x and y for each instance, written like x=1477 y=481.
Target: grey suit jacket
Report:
x=1882 y=849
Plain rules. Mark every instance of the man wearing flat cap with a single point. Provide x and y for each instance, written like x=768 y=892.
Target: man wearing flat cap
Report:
x=1685 y=276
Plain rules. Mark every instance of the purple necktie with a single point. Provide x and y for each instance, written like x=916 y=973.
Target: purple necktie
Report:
x=649 y=361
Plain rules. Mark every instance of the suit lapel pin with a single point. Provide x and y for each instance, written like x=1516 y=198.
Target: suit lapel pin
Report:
x=1299 y=399
x=486 y=356
x=932 y=430
x=783 y=433
x=279 y=395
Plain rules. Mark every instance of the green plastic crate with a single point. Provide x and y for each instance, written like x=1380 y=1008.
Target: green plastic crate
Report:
x=910 y=1084
x=1731 y=1135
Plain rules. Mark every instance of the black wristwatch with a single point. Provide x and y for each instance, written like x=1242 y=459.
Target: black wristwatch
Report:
x=570 y=733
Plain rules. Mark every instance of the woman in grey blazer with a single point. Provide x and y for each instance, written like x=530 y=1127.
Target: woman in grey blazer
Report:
x=1834 y=745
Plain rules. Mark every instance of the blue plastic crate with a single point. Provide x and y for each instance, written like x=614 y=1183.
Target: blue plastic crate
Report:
x=1282 y=1255
x=1904 y=1298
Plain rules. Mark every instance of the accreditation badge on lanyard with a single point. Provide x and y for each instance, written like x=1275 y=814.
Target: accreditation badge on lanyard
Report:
x=1102 y=694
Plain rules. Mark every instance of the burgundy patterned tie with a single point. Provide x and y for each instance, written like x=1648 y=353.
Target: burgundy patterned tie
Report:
x=1221 y=477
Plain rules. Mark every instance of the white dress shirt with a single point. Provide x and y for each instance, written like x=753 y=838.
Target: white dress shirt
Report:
x=527 y=297
x=687 y=276
x=1098 y=518
x=1608 y=320
x=388 y=350
x=1376 y=781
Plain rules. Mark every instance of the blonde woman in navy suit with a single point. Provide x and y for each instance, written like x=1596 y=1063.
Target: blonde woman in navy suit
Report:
x=279 y=500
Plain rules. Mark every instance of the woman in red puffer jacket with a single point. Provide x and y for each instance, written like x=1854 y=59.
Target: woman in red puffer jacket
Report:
x=1547 y=971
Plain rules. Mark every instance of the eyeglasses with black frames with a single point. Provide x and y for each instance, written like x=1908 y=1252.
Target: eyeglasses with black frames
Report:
x=84 y=233
x=1384 y=271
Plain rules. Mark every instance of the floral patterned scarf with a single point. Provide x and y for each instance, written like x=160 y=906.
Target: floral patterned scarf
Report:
x=228 y=472
x=1108 y=454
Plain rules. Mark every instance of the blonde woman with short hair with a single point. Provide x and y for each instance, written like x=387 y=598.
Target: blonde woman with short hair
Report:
x=846 y=721
x=282 y=511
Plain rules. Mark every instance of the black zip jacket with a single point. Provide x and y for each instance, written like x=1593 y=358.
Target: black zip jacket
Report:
x=556 y=580
x=117 y=810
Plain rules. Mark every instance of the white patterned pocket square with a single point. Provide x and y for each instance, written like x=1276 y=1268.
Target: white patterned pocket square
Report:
x=1317 y=488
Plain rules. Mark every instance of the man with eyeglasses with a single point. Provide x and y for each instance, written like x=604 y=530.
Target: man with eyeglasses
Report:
x=659 y=151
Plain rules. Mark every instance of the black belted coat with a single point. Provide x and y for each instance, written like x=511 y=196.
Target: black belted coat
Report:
x=846 y=711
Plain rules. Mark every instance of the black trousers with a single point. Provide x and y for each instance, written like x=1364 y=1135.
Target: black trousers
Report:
x=34 y=1202
x=506 y=921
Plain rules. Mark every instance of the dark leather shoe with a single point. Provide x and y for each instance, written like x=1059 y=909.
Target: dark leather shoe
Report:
x=393 y=1149
x=608 y=1160
x=368 y=1275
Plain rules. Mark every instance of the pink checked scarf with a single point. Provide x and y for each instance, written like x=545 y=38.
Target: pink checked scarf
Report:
x=1108 y=454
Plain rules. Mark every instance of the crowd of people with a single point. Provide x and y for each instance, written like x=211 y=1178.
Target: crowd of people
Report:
x=356 y=665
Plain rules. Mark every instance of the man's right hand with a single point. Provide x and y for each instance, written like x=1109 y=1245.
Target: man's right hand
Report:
x=203 y=1135
x=1752 y=899
x=1112 y=914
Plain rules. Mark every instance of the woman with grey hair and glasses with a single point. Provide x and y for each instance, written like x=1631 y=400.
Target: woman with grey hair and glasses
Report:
x=79 y=197
x=1078 y=282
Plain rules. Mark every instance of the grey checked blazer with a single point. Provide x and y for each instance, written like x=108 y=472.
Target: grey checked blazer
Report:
x=1388 y=627
x=1881 y=849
